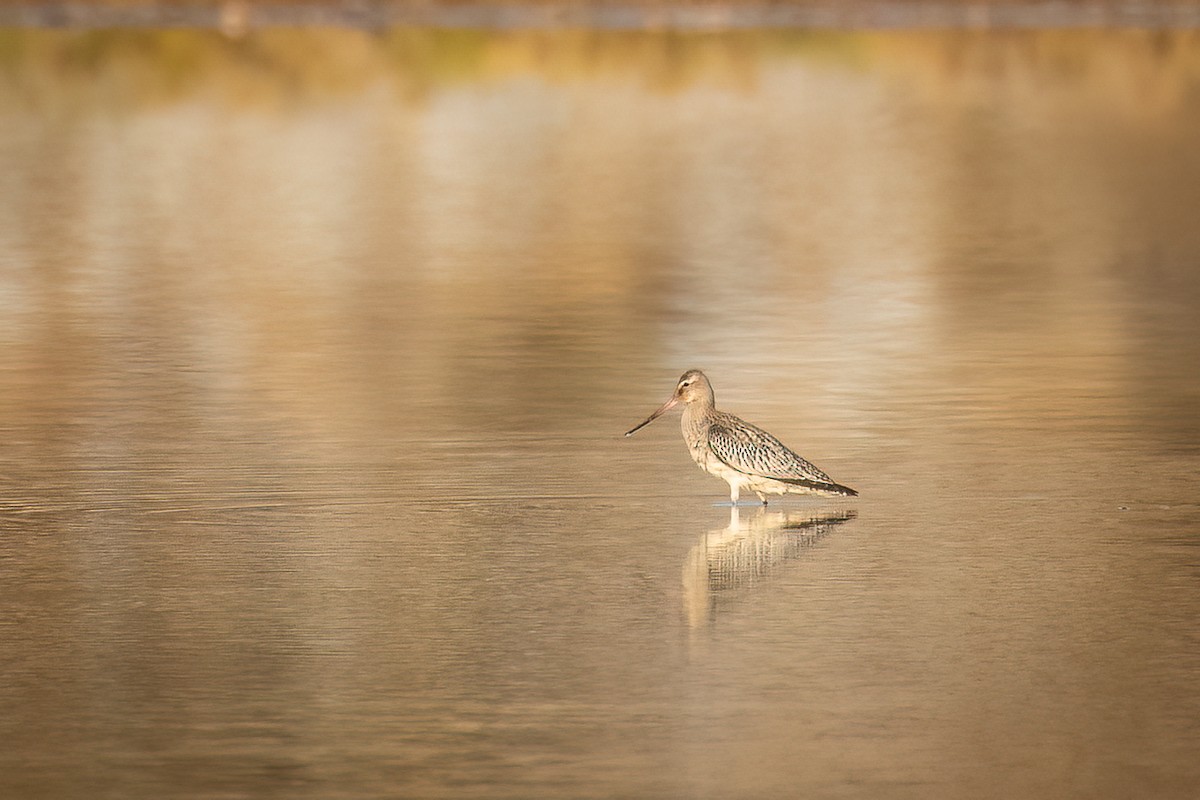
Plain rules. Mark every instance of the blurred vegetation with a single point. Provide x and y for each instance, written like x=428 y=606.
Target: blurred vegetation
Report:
x=156 y=65
x=125 y=68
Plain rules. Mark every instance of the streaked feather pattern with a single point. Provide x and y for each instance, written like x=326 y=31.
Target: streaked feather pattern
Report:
x=748 y=448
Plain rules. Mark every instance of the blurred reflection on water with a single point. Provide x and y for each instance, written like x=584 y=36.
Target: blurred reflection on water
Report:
x=318 y=345
x=746 y=551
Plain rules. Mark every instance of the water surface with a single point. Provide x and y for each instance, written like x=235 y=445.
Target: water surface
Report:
x=318 y=347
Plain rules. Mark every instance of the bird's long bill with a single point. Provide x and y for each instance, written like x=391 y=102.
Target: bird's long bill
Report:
x=667 y=406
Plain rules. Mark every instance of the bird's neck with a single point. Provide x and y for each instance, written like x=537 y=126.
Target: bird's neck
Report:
x=695 y=420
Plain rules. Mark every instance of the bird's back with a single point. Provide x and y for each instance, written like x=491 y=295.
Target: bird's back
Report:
x=751 y=450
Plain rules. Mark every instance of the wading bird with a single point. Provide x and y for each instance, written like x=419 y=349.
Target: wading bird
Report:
x=741 y=454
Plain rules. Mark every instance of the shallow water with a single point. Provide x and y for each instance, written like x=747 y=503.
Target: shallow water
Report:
x=318 y=347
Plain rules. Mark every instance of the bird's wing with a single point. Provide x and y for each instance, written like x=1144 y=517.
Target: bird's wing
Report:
x=752 y=450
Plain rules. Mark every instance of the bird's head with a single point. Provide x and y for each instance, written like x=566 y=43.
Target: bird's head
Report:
x=693 y=387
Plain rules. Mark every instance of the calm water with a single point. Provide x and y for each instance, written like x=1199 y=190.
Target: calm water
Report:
x=317 y=349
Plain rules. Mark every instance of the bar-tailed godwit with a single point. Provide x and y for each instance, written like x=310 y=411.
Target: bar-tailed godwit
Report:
x=741 y=454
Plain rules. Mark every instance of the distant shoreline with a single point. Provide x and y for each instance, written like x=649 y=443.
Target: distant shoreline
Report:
x=237 y=16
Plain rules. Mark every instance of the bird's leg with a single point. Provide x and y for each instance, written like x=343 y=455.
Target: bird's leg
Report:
x=733 y=493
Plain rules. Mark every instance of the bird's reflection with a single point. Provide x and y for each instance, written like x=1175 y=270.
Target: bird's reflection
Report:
x=747 y=551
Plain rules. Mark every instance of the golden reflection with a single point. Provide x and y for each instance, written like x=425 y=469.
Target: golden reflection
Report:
x=747 y=551
x=358 y=211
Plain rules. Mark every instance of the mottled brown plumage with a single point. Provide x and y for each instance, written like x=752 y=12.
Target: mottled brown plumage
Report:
x=741 y=454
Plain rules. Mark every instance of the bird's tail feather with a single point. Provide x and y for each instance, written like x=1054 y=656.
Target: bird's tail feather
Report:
x=821 y=486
